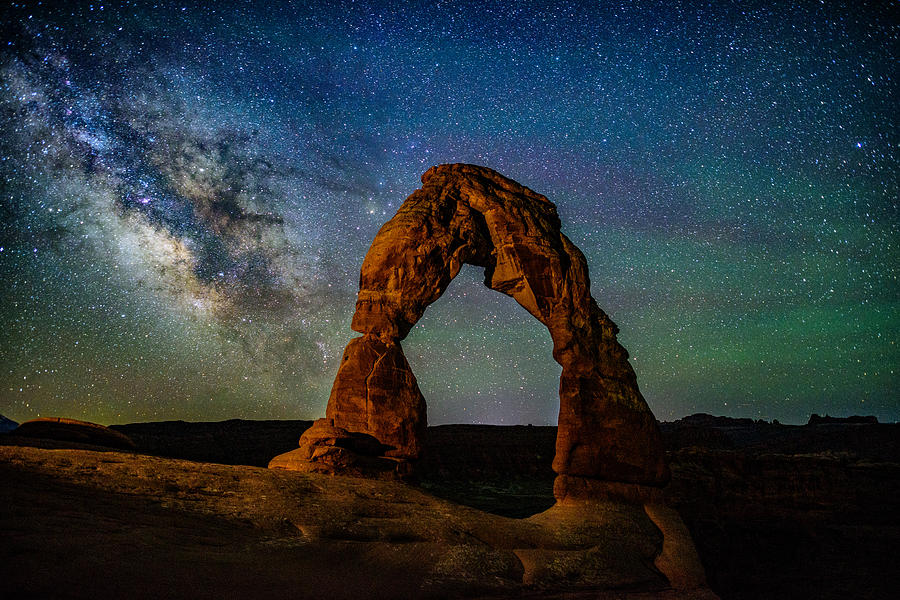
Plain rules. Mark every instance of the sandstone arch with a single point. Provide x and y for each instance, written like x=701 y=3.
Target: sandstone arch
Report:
x=470 y=214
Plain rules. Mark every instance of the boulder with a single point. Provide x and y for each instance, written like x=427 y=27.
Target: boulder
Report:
x=325 y=448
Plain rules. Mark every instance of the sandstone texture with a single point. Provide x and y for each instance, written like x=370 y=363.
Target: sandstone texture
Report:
x=776 y=511
x=375 y=392
x=325 y=448
x=466 y=214
x=90 y=524
x=72 y=430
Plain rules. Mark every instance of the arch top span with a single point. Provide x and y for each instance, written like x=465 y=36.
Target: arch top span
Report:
x=462 y=214
x=466 y=214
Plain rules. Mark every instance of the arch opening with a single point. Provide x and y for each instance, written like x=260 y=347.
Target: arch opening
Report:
x=485 y=369
x=480 y=359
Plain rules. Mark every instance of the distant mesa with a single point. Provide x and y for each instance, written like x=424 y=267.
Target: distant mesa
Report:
x=231 y=442
x=466 y=214
x=7 y=425
x=815 y=419
x=708 y=420
x=72 y=430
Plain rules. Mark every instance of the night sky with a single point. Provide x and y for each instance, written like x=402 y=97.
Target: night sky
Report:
x=188 y=192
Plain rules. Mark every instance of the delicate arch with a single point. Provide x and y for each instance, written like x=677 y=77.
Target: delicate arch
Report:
x=470 y=214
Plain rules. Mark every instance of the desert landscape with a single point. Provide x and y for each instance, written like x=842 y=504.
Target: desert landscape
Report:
x=775 y=511
x=236 y=363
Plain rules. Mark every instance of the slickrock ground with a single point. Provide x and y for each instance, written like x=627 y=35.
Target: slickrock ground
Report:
x=107 y=524
x=776 y=512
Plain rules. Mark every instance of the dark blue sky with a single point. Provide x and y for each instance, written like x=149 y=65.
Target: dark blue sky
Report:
x=188 y=192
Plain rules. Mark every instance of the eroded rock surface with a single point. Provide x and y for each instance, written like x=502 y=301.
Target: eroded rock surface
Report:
x=167 y=528
x=470 y=214
x=327 y=449
x=375 y=392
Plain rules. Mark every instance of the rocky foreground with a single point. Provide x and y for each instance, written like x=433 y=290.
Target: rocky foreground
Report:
x=84 y=523
x=775 y=512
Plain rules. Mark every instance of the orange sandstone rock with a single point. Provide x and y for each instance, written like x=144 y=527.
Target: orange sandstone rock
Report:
x=375 y=392
x=470 y=214
x=325 y=448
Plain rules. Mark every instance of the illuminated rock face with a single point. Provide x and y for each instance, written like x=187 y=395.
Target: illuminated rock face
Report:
x=469 y=214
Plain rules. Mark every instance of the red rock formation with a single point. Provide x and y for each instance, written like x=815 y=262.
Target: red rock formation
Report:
x=376 y=392
x=327 y=449
x=469 y=214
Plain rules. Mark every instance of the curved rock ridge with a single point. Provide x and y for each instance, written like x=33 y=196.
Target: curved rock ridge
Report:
x=73 y=430
x=466 y=214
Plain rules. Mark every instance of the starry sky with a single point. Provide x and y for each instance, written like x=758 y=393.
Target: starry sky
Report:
x=187 y=191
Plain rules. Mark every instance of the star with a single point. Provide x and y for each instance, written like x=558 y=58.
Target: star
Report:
x=217 y=173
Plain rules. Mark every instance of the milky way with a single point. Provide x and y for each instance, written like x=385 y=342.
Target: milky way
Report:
x=188 y=192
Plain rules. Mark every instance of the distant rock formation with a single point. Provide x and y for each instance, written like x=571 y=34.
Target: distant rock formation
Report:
x=7 y=425
x=815 y=419
x=72 y=430
x=708 y=420
x=466 y=214
x=862 y=437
